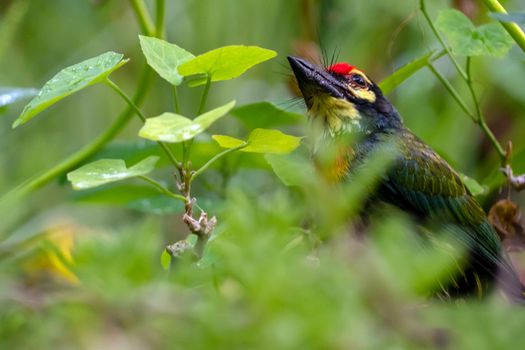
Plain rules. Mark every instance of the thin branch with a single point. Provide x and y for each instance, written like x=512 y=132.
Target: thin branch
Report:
x=204 y=97
x=423 y=9
x=187 y=145
x=477 y=107
x=214 y=159
x=128 y=100
x=452 y=92
x=478 y=116
x=480 y=120
x=139 y=113
x=162 y=189
x=159 y=19
x=141 y=11
x=176 y=99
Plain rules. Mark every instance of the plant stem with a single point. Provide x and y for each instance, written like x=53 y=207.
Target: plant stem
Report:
x=214 y=159
x=204 y=97
x=452 y=91
x=478 y=116
x=512 y=28
x=423 y=9
x=169 y=153
x=139 y=113
x=480 y=120
x=187 y=145
x=159 y=19
x=128 y=100
x=176 y=99
x=141 y=11
x=163 y=189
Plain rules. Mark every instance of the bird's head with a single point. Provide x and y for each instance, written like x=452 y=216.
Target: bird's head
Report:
x=344 y=98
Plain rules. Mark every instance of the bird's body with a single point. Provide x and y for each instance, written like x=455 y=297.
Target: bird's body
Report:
x=418 y=181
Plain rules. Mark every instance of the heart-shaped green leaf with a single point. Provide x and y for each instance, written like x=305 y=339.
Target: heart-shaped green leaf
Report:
x=261 y=141
x=10 y=95
x=164 y=57
x=403 y=73
x=104 y=171
x=467 y=40
x=70 y=80
x=226 y=141
x=171 y=127
x=225 y=63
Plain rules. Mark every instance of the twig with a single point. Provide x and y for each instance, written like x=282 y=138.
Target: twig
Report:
x=176 y=100
x=518 y=182
x=159 y=19
x=143 y=16
x=478 y=116
x=204 y=97
x=139 y=113
x=452 y=91
x=480 y=120
x=423 y=9
x=162 y=189
x=214 y=159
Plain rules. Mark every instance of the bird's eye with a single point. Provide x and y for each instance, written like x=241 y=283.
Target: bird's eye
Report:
x=358 y=80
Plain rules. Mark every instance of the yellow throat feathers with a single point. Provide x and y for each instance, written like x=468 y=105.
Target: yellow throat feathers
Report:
x=339 y=115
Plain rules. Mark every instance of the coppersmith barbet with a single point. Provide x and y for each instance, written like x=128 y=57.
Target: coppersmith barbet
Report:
x=418 y=181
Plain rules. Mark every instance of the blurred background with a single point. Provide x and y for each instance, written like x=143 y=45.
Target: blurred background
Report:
x=89 y=261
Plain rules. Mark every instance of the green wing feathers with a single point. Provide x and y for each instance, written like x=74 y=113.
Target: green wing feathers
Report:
x=430 y=186
x=423 y=183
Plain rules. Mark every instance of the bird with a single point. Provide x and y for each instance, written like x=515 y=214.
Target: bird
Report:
x=418 y=181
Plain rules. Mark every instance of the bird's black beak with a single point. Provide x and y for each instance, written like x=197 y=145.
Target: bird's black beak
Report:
x=314 y=80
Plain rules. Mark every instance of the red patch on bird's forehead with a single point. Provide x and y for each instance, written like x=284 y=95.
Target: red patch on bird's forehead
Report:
x=342 y=68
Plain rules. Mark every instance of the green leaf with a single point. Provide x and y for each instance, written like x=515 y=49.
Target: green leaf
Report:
x=474 y=187
x=164 y=57
x=265 y=115
x=225 y=63
x=10 y=95
x=467 y=40
x=516 y=17
x=165 y=260
x=105 y=171
x=171 y=127
x=400 y=75
x=262 y=141
x=226 y=141
x=70 y=80
x=271 y=141
x=292 y=169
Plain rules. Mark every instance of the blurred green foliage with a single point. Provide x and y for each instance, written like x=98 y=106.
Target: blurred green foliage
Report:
x=82 y=270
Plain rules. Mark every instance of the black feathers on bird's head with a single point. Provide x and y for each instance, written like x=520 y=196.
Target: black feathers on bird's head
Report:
x=344 y=97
